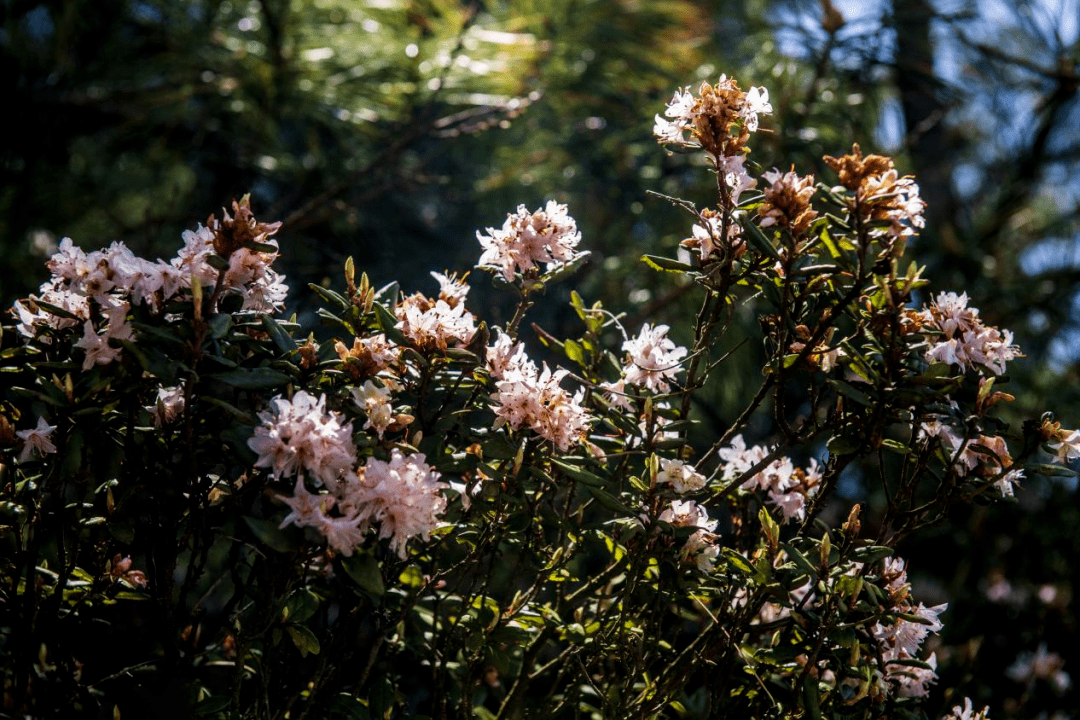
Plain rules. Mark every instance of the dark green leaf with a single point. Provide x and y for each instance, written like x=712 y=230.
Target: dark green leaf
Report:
x=366 y=573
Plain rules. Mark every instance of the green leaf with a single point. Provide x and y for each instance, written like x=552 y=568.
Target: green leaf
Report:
x=664 y=264
x=583 y=476
x=330 y=296
x=607 y=500
x=850 y=391
x=387 y=321
x=349 y=706
x=757 y=238
x=281 y=339
x=220 y=324
x=254 y=379
x=300 y=605
x=212 y=704
x=366 y=573
x=811 y=697
x=269 y=534
x=738 y=561
x=871 y=553
x=575 y=352
x=304 y=640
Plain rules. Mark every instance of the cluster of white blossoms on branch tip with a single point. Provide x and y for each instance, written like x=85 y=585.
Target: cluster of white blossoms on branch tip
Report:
x=301 y=435
x=402 y=496
x=681 y=476
x=787 y=487
x=981 y=456
x=899 y=642
x=97 y=289
x=652 y=359
x=547 y=236
x=701 y=547
x=528 y=397
x=436 y=324
x=961 y=337
x=706 y=120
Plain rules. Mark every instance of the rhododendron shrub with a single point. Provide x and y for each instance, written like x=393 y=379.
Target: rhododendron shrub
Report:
x=406 y=512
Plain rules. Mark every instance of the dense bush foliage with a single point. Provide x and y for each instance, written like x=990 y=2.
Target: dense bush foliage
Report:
x=212 y=511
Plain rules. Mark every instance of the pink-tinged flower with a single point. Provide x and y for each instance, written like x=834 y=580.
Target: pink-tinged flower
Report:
x=169 y=405
x=756 y=102
x=1067 y=447
x=963 y=339
x=302 y=435
x=375 y=402
x=506 y=356
x=96 y=346
x=306 y=509
x=700 y=548
x=653 y=358
x=1040 y=665
x=402 y=496
x=547 y=236
x=37 y=440
x=735 y=176
x=437 y=324
x=526 y=397
x=788 y=487
x=967 y=712
x=682 y=477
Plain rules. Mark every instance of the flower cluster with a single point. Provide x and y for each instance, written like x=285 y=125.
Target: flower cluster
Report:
x=401 y=495
x=529 y=397
x=652 y=359
x=436 y=324
x=368 y=355
x=788 y=487
x=889 y=204
x=707 y=237
x=681 y=476
x=547 y=236
x=787 y=202
x=899 y=642
x=375 y=402
x=984 y=456
x=709 y=117
x=97 y=289
x=701 y=547
x=302 y=435
x=960 y=338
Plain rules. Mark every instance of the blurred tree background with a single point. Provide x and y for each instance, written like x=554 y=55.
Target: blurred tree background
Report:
x=391 y=130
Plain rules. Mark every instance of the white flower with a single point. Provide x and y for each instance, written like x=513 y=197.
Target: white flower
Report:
x=682 y=477
x=169 y=404
x=967 y=712
x=306 y=509
x=756 y=102
x=375 y=402
x=96 y=346
x=402 y=496
x=436 y=324
x=527 y=397
x=1067 y=448
x=735 y=175
x=653 y=358
x=547 y=236
x=37 y=440
x=301 y=434
x=700 y=548
x=964 y=340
